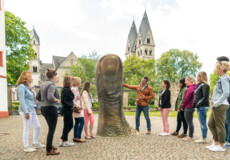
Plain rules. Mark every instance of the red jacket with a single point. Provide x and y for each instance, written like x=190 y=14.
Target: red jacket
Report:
x=189 y=97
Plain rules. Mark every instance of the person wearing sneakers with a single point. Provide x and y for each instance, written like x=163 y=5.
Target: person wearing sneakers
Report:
x=49 y=96
x=164 y=106
x=216 y=121
x=86 y=100
x=187 y=105
x=27 y=111
x=201 y=102
x=67 y=98
x=144 y=94
x=227 y=125
x=78 y=113
x=180 y=113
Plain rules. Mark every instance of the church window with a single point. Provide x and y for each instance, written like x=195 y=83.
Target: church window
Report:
x=1 y=59
x=35 y=69
x=135 y=47
x=150 y=52
x=139 y=41
x=128 y=48
x=34 y=41
x=146 y=52
x=138 y=53
x=141 y=52
x=35 y=55
x=148 y=40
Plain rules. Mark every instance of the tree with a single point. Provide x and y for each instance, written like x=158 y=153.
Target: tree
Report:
x=85 y=68
x=213 y=80
x=175 y=64
x=18 y=48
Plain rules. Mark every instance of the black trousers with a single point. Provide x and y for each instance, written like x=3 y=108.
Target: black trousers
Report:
x=68 y=124
x=181 y=119
x=50 y=114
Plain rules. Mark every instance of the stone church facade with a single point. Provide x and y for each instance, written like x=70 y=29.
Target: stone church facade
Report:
x=38 y=69
x=141 y=43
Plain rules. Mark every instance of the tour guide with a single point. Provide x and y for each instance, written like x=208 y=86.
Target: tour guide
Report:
x=144 y=93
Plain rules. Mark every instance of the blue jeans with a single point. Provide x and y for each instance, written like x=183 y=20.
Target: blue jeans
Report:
x=202 y=116
x=227 y=125
x=146 y=114
x=78 y=127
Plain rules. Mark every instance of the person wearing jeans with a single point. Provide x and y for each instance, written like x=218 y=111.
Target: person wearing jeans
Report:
x=201 y=102
x=216 y=121
x=144 y=94
x=49 y=96
x=164 y=106
x=180 y=113
x=187 y=105
x=78 y=113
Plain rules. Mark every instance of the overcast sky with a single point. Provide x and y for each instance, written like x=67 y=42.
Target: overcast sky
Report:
x=81 y=26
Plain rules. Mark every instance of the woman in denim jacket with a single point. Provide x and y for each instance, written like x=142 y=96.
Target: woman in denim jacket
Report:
x=216 y=122
x=27 y=111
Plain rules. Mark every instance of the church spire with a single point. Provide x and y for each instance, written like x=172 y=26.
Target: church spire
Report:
x=132 y=35
x=35 y=35
x=144 y=27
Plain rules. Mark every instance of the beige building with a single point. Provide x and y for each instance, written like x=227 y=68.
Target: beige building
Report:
x=38 y=69
x=141 y=43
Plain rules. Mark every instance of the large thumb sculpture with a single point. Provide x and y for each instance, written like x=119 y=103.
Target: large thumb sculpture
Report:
x=109 y=81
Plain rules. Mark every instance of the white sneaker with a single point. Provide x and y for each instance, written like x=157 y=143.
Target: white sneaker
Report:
x=227 y=145
x=211 y=146
x=217 y=149
x=60 y=144
x=29 y=149
x=201 y=141
x=38 y=145
x=67 y=144
x=164 y=134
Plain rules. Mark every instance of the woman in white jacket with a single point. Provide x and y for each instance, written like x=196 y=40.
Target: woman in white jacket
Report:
x=88 y=113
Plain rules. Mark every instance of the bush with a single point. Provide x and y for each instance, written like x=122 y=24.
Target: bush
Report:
x=95 y=105
x=15 y=106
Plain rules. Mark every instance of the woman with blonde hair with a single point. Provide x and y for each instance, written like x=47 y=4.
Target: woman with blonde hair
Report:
x=88 y=113
x=67 y=97
x=27 y=111
x=216 y=121
x=187 y=105
x=49 y=96
x=201 y=102
x=78 y=113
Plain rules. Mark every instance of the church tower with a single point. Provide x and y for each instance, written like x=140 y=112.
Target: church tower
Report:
x=35 y=63
x=144 y=45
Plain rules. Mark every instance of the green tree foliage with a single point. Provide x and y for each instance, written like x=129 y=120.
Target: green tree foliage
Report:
x=213 y=80
x=85 y=68
x=18 y=48
x=175 y=64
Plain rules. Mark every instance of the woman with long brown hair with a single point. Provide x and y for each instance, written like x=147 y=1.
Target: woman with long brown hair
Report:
x=88 y=113
x=67 y=97
x=27 y=111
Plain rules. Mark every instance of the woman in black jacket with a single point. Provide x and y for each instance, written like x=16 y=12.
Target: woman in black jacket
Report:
x=164 y=106
x=201 y=102
x=67 y=109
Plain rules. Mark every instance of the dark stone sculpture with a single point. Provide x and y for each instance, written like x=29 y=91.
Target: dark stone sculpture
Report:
x=109 y=81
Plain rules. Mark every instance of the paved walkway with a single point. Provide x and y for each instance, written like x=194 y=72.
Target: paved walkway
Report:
x=140 y=146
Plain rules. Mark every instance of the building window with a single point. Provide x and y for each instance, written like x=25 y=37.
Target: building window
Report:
x=128 y=48
x=146 y=52
x=148 y=40
x=138 y=53
x=35 y=55
x=35 y=69
x=71 y=61
x=135 y=47
x=139 y=41
x=141 y=52
x=1 y=57
x=34 y=41
x=150 y=52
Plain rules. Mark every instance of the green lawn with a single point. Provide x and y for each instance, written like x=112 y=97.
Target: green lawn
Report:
x=158 y=114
